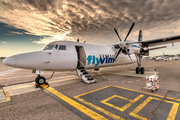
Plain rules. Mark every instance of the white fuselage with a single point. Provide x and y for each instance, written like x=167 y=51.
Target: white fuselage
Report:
x=73 y=55
x=161 y=58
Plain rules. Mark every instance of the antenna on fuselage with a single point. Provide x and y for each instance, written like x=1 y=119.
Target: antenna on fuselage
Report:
x=85 y=41
x=78 y=40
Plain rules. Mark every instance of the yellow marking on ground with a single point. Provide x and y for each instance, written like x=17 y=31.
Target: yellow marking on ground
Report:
x=91 y=91
x=7 y=97
x=172 y=113
x=100 y=109
x=75 y=104
x=143 y=92
x=19 y=87
x=125 y=106
x=126 y=89
x=25 y=86
x=137 y=109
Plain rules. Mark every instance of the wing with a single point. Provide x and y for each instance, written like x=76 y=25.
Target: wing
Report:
x=161 y=41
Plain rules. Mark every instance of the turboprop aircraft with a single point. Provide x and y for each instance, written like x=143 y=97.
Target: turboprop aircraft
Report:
x=161 y=58
x=71 y=56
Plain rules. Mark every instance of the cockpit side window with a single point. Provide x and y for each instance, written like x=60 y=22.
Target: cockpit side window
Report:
x=56 y=47
x=62 y=47
x=49 y=47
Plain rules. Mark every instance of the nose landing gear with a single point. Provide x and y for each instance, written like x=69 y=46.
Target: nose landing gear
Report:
x=40 y=81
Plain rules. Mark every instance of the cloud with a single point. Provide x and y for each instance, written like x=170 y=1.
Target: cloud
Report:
x=48 y=39
x=3 y=42
x=92 y=20
x=13 y=33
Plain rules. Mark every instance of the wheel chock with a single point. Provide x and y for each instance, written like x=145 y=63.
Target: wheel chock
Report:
x=37 y=85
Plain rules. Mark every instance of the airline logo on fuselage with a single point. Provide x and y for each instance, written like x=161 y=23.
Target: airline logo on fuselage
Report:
x=100 y=60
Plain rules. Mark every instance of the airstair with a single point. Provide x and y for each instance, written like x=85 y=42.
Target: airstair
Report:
x=84 y=75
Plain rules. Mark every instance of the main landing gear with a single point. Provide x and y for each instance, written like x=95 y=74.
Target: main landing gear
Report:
x=40 y=81
x=139 y=69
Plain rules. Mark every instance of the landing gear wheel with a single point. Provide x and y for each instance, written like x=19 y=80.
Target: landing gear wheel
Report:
x=142 y=70
x=40 y=80
x=137 y=70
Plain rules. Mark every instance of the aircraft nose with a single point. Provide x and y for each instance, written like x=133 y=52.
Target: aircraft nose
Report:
x=10 y=61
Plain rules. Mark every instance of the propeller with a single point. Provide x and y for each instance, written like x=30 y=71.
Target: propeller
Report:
x=121 y=45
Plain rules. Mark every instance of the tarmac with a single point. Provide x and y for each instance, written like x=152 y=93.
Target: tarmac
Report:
x=118 y=94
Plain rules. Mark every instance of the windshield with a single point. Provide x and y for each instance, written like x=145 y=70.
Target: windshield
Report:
x=49 y=47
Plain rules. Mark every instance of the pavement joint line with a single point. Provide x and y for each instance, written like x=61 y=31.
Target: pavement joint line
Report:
x=75 y=104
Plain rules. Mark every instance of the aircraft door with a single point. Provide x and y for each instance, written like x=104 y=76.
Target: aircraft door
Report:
x=81 y=56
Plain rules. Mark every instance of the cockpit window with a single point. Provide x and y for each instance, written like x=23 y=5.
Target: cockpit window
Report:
x=62 y=47
x=56 y=47
x=49 y=47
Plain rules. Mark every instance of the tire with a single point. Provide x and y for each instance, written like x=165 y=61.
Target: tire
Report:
x=40 y=80
x=142 y=70
x=137 y=70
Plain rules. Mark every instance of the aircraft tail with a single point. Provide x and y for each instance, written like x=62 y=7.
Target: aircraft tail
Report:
x=140 y=35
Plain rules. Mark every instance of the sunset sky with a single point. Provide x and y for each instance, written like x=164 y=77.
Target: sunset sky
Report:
x=28 y=25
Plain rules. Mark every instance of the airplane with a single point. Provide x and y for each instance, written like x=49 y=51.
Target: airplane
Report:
x=80 y=57
x=161 y=58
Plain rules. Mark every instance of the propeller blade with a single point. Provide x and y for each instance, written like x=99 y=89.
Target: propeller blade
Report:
x=118 y=53
x=127 y=52
x=117 y=34
x=129 y=31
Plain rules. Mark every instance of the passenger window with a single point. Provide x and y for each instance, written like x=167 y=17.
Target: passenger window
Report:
x=62 y=47
x=56 y=47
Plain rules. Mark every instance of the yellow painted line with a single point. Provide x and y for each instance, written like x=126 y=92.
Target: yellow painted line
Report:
x=127 y=89
x=100 y=109
x=172 y=113
x=137 y=109
x=144 y=92
x=91 y=91
x=125 y=106
x=13 y=88
x=7 y=97
x=75 y=104
x=25 y=86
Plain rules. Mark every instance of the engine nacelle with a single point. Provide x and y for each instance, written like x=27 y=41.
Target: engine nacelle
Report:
x=132 y=51
x=144 y=51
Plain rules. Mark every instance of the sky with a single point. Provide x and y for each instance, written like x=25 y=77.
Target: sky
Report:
x=29 y=25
